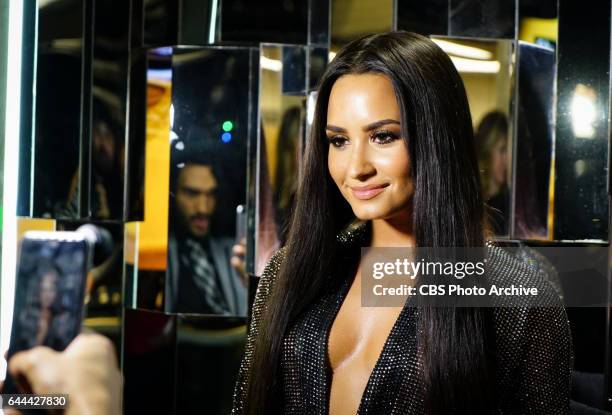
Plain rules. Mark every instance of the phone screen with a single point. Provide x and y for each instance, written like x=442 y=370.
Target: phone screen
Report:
x=49 y=292
x=241 y=223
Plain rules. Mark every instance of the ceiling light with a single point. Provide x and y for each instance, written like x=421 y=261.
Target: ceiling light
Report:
x=464 y=51
x=475 y=66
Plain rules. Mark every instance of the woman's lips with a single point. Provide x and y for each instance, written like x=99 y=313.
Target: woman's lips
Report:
x=368 y=192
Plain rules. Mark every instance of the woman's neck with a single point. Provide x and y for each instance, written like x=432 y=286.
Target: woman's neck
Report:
x=396 y=231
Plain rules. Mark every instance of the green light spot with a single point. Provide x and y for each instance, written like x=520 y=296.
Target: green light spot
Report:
x=227 y=126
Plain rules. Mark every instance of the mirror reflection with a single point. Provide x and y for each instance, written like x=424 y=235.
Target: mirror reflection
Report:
x=365 y=17
x=492 y=147
x=282 y=113
x=57 y=129
x=582 y=136
x=486 y=68
x=482 y=18
x=426 y=18
x=81 y=113
x=214 y=344
x=534 y=138
x=104 y=286
x=208 y=143
x=265 y=21
x=107 y=163
x=109 y=90
x=146 y=241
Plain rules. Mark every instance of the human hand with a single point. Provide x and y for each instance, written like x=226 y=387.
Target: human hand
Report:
x=86 y=371
x=238 y=260
x=8 y=411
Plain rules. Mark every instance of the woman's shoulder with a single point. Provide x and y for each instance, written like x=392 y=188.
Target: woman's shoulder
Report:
x=268 y=275
x=521 y=283
x=525 y=299
x=533 y=344
x=528 y=309
x=274 y=263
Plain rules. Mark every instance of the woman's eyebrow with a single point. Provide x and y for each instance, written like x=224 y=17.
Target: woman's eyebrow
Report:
x=380 y=123
x=368 y=127
x=335 y=129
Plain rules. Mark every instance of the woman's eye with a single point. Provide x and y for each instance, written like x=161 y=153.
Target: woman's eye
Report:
x=337 y=141
x=384 y=137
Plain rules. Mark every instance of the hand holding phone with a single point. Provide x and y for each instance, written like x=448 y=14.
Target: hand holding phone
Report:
x=86 y=371
x=49 y=293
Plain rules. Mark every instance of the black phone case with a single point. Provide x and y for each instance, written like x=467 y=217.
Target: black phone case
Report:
x=49 y=293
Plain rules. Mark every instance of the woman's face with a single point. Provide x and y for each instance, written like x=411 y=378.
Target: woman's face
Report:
x=368 y=159
x=48 y=290
x=499 y=161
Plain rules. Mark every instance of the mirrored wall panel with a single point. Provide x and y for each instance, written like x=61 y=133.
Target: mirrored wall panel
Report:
x=106 y=135
x=147 y=241
x=352 y=19
x=534 y=141
x=426 y=18
x=208 y=355
x=282 y=115
x=483 y=18
x=582 y=131
x=487 y=70
x=208 y=136
x=265 y=21
x=104 y=287
x=317 y=63
x=318 y=22
x=190 y=362
x=52 y=185
x=491 y=19
x=180 y=22
x=78 y=155
x=149 y=362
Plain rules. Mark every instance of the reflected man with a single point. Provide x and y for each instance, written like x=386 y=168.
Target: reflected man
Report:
x=201 y=278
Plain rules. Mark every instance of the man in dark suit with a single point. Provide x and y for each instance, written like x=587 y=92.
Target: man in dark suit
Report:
x=200 y=276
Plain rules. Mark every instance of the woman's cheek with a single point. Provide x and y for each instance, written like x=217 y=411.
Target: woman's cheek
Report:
x=336 y=170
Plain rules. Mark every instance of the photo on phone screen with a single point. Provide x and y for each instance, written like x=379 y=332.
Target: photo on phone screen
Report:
x=49 y=292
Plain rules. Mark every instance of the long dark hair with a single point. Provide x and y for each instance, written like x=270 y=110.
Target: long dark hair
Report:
x=447 y=211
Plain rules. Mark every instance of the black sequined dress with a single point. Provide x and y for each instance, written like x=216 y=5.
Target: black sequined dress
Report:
x=533 y=345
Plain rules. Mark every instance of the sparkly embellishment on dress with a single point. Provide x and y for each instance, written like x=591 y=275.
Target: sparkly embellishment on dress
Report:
x=534 y=352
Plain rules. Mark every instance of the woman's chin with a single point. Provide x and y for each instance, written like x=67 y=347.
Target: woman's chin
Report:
x=368 y=214
x=377 y=212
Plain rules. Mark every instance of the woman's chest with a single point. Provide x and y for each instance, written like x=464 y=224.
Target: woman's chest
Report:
x=358 y=334
x=330 y=355
x=356 y=341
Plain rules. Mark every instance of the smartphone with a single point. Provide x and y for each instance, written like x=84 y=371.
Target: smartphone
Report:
x=49 y=293
x=241 y=223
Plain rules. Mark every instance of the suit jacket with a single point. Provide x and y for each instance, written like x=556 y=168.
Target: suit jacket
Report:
x=232 y=288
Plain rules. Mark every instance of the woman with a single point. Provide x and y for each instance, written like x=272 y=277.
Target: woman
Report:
x=44 y=322
x=492 y=140
x=391 y=162
x=48 y=298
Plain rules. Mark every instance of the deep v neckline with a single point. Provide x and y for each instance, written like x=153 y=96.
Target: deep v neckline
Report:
x=344 y=289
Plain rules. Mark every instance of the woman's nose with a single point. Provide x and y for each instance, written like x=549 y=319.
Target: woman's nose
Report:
x=360 y=165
